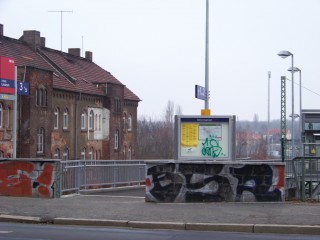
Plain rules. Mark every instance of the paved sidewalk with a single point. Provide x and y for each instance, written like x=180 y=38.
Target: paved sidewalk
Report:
x=131 y=210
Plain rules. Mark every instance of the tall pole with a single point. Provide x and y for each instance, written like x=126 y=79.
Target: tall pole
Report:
x=206 y=103
x=300 y=119
x=268 y=140
x=61 y=13
x=292 y=110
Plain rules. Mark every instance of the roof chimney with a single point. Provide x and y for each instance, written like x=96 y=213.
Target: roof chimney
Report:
x=89 y=55
x=1 y=29
x=74 y=51
x=32 y=37
x=42 y=41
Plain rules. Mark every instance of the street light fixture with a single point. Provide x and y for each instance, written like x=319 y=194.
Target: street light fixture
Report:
x=295 y=69
x=285 y=54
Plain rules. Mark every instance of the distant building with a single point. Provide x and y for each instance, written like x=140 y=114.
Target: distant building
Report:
x=75 y=109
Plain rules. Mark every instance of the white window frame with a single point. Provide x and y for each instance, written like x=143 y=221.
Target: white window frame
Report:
x=130 y=152
x=116 y=139
x=40 y=140
x=1 y=154
x=65 y=154
x=130 y=122
x=56 y=119
x=65 y=118
x=83 y=120
x=83 y=153
x=91 y=120
x=56 y=154
x=91 y=153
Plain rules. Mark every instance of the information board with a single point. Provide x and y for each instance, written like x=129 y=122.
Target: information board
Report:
x=7 y=77
x=209 y=137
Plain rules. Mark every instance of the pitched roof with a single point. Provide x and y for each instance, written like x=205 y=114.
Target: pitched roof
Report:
x=70 y=72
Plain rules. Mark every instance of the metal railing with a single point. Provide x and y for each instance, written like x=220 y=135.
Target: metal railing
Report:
x=83 y=175
x=307 y=177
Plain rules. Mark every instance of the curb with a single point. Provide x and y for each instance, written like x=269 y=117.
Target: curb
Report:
x=20 y=219
x=222 y=227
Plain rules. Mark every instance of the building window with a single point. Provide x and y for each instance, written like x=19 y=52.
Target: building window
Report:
x=8 y=124
x=130 y=122
x=56 y=154
x=130 y=153
x=95 y=122
x=1 y=115
x=1 y=154
x=91 y=119
x=100 y=122
x=56 y=119
x=83 y=120
x=65 y=119
x=91 y=153
x=116 y=139
x=124 y=121
x=83 y=153
x=65 y=154
x=40 y=140
x=117 y=105
x=41 y=97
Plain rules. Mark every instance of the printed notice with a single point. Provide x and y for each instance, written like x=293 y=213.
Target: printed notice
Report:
x=210 y=130
x=189 y=134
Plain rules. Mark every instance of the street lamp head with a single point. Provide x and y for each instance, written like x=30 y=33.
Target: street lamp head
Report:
x=294 y=69
x=284 y=54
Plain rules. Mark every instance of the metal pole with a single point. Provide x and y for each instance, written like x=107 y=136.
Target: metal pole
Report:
x=61 y=30
x=206 y=103
x=292 y=110
x=15 y=113
x=300 y=119
x=268 y=140
x=61 y=12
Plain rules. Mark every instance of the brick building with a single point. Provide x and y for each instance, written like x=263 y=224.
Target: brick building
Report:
x=74 y=110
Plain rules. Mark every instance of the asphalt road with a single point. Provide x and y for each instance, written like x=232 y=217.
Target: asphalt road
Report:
x=17 y=231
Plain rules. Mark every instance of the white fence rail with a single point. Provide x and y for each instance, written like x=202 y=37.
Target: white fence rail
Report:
x=82 y=175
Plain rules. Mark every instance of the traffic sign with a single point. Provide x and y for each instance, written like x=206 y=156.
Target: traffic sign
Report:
x=200 y=92
x=23 y=88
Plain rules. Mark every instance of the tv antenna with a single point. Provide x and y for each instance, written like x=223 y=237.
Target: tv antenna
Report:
x=61 y=13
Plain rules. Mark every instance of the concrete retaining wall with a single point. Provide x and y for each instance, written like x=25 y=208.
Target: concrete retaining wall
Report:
x=214 y=181
x=30 y=178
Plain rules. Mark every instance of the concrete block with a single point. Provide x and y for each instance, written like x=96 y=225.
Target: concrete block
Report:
x=223 y=227
x=20 y=219
x=287 y=229
x=90 y=222
x=157 y=225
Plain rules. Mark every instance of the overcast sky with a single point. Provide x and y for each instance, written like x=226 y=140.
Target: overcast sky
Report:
x=157 y=48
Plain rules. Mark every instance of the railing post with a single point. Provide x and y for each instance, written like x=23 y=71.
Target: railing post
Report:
x=303 y=187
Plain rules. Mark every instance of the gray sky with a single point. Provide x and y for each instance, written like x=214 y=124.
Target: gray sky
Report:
x=157 y=48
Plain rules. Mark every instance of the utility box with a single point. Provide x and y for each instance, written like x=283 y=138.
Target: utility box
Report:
x=204 y=137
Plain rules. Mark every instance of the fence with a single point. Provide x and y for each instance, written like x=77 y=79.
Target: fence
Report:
x=84 y=175
x=307 y=177
x=302 y=172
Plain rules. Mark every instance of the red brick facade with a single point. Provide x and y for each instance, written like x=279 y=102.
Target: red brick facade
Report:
x=75 y=109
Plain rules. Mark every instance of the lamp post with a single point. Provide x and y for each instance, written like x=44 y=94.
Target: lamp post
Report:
x=285 y=54
x=295 y=69
x=206 y=102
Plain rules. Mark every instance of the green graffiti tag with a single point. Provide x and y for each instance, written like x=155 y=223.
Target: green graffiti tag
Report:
x=210 y=147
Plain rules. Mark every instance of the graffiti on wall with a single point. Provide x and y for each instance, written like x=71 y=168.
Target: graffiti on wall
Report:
x=187 y=182
x=211 y=147
x=27 y=179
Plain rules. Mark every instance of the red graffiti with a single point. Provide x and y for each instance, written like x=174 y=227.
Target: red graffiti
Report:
x=45 y=180
x=26 y=179
x=15 y=180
